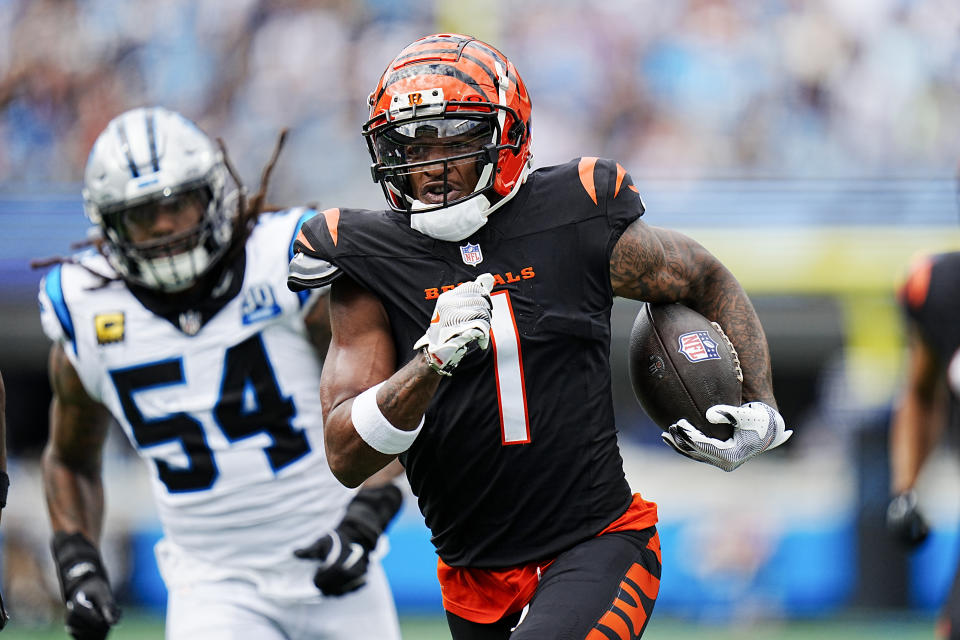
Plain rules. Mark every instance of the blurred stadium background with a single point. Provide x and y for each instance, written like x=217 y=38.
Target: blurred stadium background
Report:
x=811 y=145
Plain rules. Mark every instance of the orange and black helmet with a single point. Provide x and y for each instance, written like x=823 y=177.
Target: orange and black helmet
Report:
x=449 y=86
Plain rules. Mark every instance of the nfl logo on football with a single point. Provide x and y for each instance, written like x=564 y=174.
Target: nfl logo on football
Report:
x=698 y=346
x=471 y=254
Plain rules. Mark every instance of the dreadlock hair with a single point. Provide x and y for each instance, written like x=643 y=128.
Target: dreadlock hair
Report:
x=245 y=221
x=247 y=216
x=94 y=239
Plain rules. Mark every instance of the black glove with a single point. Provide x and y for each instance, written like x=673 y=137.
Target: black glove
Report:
x=905 y=522
x=344 y=552
x=91 y=609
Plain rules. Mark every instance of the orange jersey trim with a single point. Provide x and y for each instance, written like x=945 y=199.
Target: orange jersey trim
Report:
x=486 y=595
x=332 y=216
x=302 y=239
x=585 y=168
x=918 y=284
x=621 y=173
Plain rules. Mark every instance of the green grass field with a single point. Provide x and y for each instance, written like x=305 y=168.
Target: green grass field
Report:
x=850 y=627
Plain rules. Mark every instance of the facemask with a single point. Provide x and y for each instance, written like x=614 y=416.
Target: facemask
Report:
x=170 y=273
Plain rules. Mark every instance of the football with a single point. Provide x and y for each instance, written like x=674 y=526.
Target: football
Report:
x=681 y=364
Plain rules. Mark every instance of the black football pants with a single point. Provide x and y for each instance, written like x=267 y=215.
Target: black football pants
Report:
x=602 y=589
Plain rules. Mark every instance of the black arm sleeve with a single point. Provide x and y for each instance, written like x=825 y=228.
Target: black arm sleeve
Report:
x=370 y=511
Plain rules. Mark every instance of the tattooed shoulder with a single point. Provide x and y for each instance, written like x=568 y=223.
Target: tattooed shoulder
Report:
x=654 y=264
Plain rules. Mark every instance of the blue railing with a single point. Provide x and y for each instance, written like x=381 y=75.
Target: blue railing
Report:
x=38 y=223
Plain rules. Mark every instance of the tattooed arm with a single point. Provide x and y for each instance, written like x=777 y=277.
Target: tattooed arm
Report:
x=659 y=265
x=72 y=458
x=361 y=355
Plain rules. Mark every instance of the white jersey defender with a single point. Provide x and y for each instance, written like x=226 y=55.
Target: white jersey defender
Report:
x=227 y=415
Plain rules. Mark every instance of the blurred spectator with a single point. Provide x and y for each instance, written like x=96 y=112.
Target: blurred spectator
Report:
x=700 y=87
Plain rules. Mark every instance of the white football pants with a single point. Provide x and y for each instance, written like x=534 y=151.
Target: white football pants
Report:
x=232 y=609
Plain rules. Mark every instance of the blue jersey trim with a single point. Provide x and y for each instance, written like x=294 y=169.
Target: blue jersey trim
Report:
x=302 y=295
x=54 y=288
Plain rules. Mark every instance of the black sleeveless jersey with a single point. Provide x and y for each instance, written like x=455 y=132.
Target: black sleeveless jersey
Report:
x=518 y=457
x=931 y=298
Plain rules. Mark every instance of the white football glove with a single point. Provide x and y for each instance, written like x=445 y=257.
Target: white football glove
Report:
x=460 y=323
x=757 y=427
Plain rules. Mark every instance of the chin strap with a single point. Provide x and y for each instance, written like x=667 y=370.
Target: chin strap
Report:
x=452 y=223
x=461 y=220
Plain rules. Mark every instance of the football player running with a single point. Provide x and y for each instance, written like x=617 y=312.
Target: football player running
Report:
x=471 y=335
x=930 y=299
x=179 y=326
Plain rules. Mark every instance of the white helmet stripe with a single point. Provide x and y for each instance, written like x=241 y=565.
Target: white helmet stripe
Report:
x=152 y=141
x=503 y=81
x=125 y=147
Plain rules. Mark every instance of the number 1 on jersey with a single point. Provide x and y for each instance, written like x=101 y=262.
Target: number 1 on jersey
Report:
x=511 y=392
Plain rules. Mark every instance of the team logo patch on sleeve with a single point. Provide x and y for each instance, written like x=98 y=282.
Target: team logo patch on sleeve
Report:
x=471 y=254
x=109 y=327
x=698 y=346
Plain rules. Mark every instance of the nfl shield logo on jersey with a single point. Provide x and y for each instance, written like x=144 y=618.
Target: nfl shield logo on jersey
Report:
x=698 y=346
x=190 y=322
x=471 y=254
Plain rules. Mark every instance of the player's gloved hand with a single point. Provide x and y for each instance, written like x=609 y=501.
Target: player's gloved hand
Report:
x=344 y=552
x=905 y=522
x=757 y=427
x=460 y=323
x=91 y=608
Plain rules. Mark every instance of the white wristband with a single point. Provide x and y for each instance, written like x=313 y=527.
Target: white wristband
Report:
x=375 y=429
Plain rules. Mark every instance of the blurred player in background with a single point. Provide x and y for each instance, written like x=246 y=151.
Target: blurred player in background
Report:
x=513 y=452
x=931 y=301
x=4 y=478
x=181 y=328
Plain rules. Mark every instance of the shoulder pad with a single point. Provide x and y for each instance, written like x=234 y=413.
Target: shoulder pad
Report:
x=308 y=272
x=55 y=316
